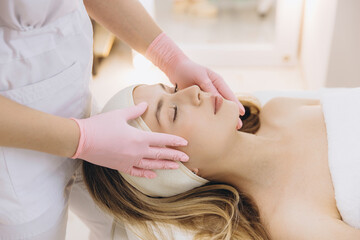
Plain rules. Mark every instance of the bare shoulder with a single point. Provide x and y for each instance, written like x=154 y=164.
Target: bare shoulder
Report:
x=284 y=106
x=286 y=101
x=299 y=225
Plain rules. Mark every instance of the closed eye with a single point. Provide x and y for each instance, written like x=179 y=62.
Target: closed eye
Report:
x=175 y=113
x=175 y=107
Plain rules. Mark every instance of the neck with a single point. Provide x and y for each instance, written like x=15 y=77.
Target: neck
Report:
x=253 y=165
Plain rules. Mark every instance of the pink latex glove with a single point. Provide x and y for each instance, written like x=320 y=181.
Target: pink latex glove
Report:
x=165 y=54
x=108 y=140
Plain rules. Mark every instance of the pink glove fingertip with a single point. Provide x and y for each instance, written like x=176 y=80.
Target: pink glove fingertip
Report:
x=150 y=175
x=242 y=109
x=239 y=124
x=136 y=111
x=180 y=142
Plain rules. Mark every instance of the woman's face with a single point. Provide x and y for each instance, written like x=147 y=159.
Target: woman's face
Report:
x=190 y=113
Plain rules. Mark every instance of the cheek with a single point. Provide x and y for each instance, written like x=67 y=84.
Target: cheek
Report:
x=207 y=135
x=205 y=140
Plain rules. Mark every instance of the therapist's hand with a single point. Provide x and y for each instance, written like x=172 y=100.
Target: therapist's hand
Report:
x=108 y=140
x=182 y=71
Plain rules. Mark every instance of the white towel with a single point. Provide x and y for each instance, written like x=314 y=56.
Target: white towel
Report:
x=341 y=107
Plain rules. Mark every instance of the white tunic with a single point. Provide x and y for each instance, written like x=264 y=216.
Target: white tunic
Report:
x=45 y=64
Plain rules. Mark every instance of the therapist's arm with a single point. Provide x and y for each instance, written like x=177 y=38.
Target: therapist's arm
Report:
x=127 y=19
x=130 y=22
x=25 y=127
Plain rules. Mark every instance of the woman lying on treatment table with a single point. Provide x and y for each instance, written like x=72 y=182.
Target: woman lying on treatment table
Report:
x=269 y=180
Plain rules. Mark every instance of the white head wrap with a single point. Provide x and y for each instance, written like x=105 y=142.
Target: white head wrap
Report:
x=168 y=182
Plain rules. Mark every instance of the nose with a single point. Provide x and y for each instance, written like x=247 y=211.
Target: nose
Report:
x=194 y=94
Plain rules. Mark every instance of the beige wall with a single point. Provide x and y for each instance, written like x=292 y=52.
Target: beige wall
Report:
x=344 y=61
x=330 y=50
x=318 y=22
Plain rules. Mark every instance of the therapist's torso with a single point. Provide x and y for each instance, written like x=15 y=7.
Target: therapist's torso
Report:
x=45 y=64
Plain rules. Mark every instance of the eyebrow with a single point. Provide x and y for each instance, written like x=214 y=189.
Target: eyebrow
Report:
x=163 y=86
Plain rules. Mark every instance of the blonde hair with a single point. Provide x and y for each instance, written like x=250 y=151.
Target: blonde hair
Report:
x=212 y=211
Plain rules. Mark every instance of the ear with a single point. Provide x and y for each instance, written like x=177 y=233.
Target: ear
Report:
x=195 y=170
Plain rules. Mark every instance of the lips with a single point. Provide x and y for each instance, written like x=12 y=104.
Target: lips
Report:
x=217 y=102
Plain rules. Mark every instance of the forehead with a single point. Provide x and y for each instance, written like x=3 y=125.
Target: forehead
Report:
x=147 y=93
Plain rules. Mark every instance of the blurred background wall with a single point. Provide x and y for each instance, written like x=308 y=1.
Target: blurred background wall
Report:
x=344 y=59
x=330 y=47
